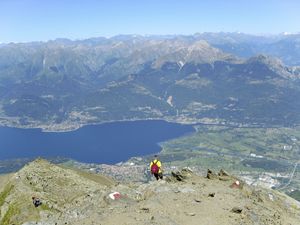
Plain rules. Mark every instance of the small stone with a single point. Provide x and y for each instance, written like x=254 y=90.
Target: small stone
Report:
x=146 y=210
x=191 y=214
x=197 y=200
x=211 y=195
x=237 y=210
x=248 y=207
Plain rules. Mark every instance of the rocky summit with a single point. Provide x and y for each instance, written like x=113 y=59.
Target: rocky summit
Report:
x=69 y=196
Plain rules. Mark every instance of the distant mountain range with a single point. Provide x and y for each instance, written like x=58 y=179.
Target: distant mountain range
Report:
x=284 y=46
x=205 y=77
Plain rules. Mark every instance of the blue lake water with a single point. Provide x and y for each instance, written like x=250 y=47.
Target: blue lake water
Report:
x=104 y=143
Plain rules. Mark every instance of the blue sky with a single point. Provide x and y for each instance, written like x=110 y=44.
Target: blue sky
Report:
x=34 y=20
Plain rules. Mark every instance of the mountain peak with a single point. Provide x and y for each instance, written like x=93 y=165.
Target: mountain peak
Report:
x=265 y=59
x=196 y=52
x=74 y=197
x=274 y=64
x=74 y=74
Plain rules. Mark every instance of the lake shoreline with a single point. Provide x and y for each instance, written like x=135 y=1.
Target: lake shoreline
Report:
x=178 y=120
x=71 y=128
x=99 y=143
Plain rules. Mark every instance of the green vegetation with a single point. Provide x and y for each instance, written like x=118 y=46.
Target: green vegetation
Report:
x=45 y=207
x=10 y=213
x=5 y=193
x=252 y=152
x=295 y=194
x=257 y=145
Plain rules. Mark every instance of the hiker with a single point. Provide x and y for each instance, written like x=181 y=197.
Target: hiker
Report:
x=155 y=168
x=36 y=201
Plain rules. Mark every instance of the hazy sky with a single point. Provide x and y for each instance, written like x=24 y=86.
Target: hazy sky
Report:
x=32 y=20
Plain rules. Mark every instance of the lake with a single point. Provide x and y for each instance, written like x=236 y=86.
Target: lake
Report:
x=104 y=143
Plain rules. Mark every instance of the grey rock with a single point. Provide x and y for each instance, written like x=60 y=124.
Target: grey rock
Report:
x=237 y=210
x=211 y=175
x=211 y=194
x=223 y=173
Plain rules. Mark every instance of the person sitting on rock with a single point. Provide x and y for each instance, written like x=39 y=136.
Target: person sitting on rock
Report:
x=155 y=168
x=36 y=201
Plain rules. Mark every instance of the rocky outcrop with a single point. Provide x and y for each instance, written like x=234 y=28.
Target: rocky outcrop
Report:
x=222 y=175
x=182 y=175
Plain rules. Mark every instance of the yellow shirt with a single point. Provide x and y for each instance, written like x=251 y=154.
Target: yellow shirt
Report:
x=158 y=163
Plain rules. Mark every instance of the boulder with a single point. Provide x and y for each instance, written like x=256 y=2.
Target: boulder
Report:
x=211 y=175
x=223 y=173
x=179 y=175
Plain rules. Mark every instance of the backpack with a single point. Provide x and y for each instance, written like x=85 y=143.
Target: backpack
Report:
x=154 y=167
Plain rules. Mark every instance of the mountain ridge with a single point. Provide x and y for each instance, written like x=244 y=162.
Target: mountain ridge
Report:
x=63 y=84
x=75 y=197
